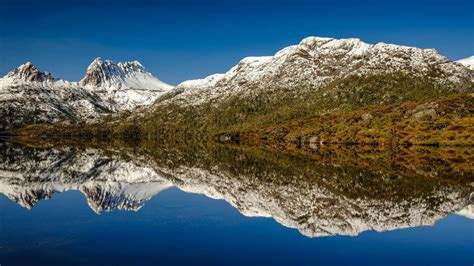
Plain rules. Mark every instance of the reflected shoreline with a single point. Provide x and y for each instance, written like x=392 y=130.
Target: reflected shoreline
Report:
x=320 y=192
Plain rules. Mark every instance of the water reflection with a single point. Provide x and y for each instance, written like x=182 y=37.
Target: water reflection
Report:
x=320 y=192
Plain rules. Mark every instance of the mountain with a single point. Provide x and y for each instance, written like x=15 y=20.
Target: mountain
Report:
x=129 y=75
x=467 y=62
x=29 y=96
x=316 y=62
x=126 y=85
x=318 y=76
x=28 y=72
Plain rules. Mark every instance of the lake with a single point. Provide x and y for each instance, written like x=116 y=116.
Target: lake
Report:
x=113 y=203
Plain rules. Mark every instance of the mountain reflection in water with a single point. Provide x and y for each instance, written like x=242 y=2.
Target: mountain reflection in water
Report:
x=321 y=192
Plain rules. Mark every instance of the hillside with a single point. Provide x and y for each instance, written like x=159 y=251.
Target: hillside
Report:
x=441 y=121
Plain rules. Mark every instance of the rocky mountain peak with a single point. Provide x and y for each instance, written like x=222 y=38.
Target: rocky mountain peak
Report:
x=100 y=71
x=132 y=66
x=105 y=72
x=29 y=72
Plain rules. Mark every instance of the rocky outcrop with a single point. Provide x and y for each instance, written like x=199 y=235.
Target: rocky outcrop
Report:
x=28 y=72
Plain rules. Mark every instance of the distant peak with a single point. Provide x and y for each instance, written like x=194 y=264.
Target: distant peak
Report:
x=96 y=61
x=29 y=72
x=99 y=62
x=127 y=74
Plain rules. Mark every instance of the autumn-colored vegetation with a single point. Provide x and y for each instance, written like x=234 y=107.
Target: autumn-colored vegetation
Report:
x=443 y=121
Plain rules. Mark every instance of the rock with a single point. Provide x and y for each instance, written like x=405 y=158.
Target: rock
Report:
x=424 y=111
x=28 y=72
x=366 y=116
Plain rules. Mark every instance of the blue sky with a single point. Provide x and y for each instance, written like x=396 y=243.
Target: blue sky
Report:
x=180 y=40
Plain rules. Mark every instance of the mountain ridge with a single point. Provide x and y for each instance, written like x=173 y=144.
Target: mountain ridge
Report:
x=29 y=96
x=317 y=76
x=311 y=63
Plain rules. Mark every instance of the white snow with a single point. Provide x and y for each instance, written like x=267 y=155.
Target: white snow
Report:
x=467 y=212
x=467 y=62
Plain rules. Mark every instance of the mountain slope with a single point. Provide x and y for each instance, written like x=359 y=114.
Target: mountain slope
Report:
x=441 y=121
x=316 y=77
x=29 y=96
x=316 y=62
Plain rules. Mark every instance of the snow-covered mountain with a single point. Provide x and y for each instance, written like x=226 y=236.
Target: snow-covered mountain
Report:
x=28 y=72
x=316 y=63
x=104 y=73
x=316 y=76
x=29 y=96
x=126 y=85
x=467 y=62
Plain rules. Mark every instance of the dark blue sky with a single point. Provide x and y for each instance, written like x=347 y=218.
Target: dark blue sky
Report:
x=180 y=40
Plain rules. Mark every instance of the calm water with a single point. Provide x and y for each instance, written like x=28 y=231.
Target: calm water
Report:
x=79 y=204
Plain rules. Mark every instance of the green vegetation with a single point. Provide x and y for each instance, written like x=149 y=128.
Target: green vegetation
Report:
x=445 y=121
